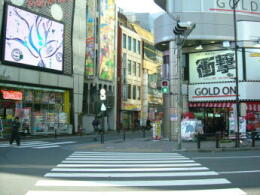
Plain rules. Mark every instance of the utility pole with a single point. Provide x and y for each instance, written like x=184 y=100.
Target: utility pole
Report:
x=173 y=99
x=237 y=117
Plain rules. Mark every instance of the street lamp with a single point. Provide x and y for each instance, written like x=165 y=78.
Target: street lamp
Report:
x=235 y=3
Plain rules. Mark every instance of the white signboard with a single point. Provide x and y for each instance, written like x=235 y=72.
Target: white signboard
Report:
x=213 y=66
x=252 y=64
x=212 y=92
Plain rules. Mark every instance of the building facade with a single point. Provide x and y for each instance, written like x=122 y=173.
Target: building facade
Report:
x=100 y=64
x=38 y=70
x=211 y=71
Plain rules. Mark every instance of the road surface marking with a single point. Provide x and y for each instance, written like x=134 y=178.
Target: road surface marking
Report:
x=230 y=191
x=130 y=165
x=131 y=183
x=238 y=172
x=128 y=169
x=129 y=175
x=225 y=157
x=127 y=162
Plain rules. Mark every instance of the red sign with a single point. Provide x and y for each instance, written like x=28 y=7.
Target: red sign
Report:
x=12 y=95
x=43 y=3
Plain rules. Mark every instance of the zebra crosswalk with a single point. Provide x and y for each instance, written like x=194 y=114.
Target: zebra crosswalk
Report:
x=37 y=144
x=107 y=173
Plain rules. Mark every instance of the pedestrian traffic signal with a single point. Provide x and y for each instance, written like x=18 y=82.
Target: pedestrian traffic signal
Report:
x=165 y=86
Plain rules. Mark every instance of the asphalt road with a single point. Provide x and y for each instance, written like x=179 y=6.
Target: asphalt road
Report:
x=22 y=168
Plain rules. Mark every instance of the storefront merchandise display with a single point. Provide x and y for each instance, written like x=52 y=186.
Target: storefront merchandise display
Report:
x=232 y=127
x=190 y=128
x=39 y=125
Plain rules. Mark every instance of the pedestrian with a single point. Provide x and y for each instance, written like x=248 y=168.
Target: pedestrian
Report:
x=95 y=124
x=15 y=131
x=148 y=124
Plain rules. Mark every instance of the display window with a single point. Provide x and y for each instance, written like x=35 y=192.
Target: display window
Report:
x=39 y=111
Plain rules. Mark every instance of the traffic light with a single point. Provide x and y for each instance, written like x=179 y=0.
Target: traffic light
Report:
x=183 y=28
x=165 y=86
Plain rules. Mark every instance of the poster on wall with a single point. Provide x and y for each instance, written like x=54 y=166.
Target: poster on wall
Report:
x=32 y=40
x=90 y=45
x=213 y=66
x=107 y=39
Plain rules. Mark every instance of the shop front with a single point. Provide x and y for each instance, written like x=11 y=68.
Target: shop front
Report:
x=214 y=115
x=215 y=105
x=130 y=116
x=40 y=110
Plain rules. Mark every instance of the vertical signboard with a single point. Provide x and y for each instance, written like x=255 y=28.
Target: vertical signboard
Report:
x=107 y=39
x=90 y=40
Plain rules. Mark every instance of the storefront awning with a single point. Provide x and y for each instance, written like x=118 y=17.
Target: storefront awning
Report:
x=211 y=104
x=253 y=106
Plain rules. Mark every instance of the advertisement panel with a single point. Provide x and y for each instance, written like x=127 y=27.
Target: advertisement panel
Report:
x=252 y=64
x=32 y=40
x=107 y=39
x=214 y=66
x=90 y=45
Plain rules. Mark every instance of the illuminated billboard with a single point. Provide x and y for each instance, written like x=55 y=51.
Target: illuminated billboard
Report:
x=31 y=40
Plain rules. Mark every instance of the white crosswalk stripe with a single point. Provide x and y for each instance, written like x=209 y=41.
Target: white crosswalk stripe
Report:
x=98 y=173
x=37 y=144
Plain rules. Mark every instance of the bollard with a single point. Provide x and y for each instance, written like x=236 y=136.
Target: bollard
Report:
x=253 y=139
x=55 y=133
x=198 y=141
x=102 y=137
x=124 y=135
x=237 y=140
x=217 y=139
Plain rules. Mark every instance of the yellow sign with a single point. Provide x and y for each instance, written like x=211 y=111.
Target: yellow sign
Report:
x=255 y=54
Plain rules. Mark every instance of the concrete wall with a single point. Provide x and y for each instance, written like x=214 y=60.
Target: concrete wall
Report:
x=213 y=19
x=79 y=45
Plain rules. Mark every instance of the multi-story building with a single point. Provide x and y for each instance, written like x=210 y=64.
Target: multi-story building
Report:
x=151 y=69
x=139 y=65
x=40 y=72
x=210 y=59
x=129 y=75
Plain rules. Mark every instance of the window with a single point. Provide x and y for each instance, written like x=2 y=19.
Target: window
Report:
x=139 y=93
x=134 y=45
x=134 y=68
x=139 y=47
x=129 y=43
x=129 y=67
x=134 y=92
x=138 y=69
x=129 y=91
x=125 y=95
x=124 y=41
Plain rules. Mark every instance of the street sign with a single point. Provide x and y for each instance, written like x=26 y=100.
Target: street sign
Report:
x=103 y=107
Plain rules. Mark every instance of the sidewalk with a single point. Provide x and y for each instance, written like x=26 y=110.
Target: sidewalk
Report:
x=135 y=142
x=147 y=144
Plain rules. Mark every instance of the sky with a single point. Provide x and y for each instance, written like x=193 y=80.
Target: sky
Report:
x=145 y=6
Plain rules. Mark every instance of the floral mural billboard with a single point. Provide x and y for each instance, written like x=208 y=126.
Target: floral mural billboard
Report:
x=107 y=39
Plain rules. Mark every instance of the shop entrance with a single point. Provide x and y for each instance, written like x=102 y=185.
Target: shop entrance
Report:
x=213 y=119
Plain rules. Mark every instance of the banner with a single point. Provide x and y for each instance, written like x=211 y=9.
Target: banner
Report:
x=107 y=39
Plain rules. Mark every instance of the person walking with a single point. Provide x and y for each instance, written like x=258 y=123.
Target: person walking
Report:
x=95 y=124
x=15 y=131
